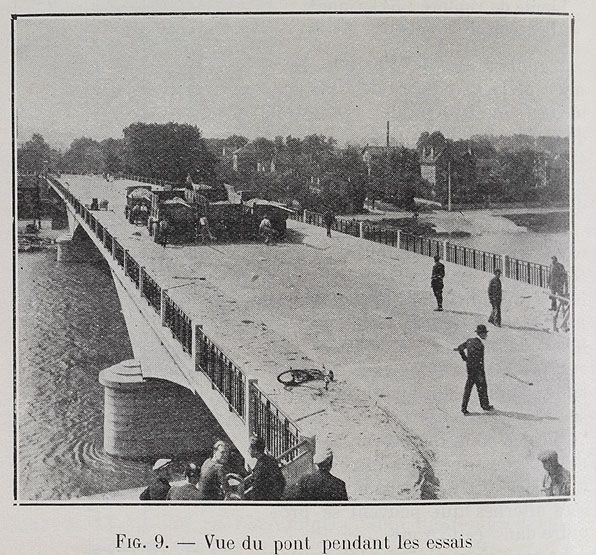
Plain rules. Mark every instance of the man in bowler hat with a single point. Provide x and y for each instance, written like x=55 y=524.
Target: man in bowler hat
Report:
x=472 y=352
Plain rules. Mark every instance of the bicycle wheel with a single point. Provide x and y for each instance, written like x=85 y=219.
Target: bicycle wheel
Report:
x=293 y=377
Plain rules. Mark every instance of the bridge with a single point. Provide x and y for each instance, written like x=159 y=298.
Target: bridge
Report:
x=224 y=320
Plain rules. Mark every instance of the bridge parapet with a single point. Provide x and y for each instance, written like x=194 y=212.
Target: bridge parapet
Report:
x=251 y=406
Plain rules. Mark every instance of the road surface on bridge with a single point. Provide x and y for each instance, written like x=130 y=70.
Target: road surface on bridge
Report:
x=365 y=310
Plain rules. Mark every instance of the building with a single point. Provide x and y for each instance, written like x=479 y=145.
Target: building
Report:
x=433 y=166
x=249 y=159
x=28 y=197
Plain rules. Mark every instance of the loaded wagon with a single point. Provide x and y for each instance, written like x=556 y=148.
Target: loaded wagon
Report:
x=180 y=217
x=138 y=204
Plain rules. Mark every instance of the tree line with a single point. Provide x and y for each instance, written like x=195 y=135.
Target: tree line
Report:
x=313 y=172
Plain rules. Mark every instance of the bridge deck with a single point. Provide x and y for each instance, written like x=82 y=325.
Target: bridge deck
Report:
x=365 y=310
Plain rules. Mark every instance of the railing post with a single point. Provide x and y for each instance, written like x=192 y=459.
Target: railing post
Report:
x=125 y=265
x=312 y=444
x=113 y=247
x=361 y=230
x=304 y=215
x=247 y=400
x=141 y=269
x=193 y=343
x=398 y=238
x=445 y=245
x=505 y=264
x=162 y=307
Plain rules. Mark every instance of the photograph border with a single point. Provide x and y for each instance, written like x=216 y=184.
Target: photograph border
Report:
x=565 y=14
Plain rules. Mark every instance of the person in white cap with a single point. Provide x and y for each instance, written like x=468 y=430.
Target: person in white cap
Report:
x=160 y=486
x=320 y=485
x=557 y=480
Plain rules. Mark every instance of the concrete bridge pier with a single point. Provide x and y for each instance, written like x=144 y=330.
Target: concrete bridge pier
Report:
x=74 y=245
x=147 y=417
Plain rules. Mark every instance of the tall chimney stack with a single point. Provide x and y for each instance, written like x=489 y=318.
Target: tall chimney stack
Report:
x=387 y=136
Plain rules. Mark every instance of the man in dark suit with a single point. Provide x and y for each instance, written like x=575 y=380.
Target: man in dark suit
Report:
x=320 y=485
x=436 y=282
x=495 y=294
x=472 y=352
x=267 y=480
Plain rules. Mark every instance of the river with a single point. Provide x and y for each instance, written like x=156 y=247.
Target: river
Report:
x=63 y=344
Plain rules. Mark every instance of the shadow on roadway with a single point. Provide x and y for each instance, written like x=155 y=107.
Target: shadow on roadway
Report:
x=513 y=414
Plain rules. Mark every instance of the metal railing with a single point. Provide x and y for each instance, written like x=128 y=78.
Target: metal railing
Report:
x=348 y=227
x=530 y=272
x=132 y=269
x=178 y=322
x=473 y=258
x=420 y=245
x=269 y=422
x=118 y=253
x=151 y=291
x=225 y=376
x=380 y=235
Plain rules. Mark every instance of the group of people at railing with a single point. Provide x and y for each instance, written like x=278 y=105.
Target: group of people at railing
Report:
x=265 y=481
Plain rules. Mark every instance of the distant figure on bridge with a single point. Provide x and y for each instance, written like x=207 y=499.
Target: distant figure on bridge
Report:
x=163 y=233
x=267 y=480
x=557 y=480
x=436 y=282
x=204 y=231
x=213 y=473
x=472 y=352
x=320 y=485
x=188 y=491
x=495 y=295
x=266 y=229
x=160 y=486
x=556 y=281
x=328 y=220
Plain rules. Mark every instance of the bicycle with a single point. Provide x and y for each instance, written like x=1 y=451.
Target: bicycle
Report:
x=298 y=376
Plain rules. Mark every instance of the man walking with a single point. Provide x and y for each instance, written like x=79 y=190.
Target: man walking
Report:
x=268 y=482
x=556 y=281
x=328 y=220
x=495 y=293
x=472 y=352
x=436 y=282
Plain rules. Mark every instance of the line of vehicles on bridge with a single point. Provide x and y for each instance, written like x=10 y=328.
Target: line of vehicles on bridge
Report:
x=196 y=213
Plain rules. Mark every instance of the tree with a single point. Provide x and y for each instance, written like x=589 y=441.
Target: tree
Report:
x=113 y=152
x=520 y=180
x=84 y=155
x=168 y=151
x=35 y=156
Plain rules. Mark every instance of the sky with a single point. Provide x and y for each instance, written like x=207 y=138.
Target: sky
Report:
x=337 y=75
